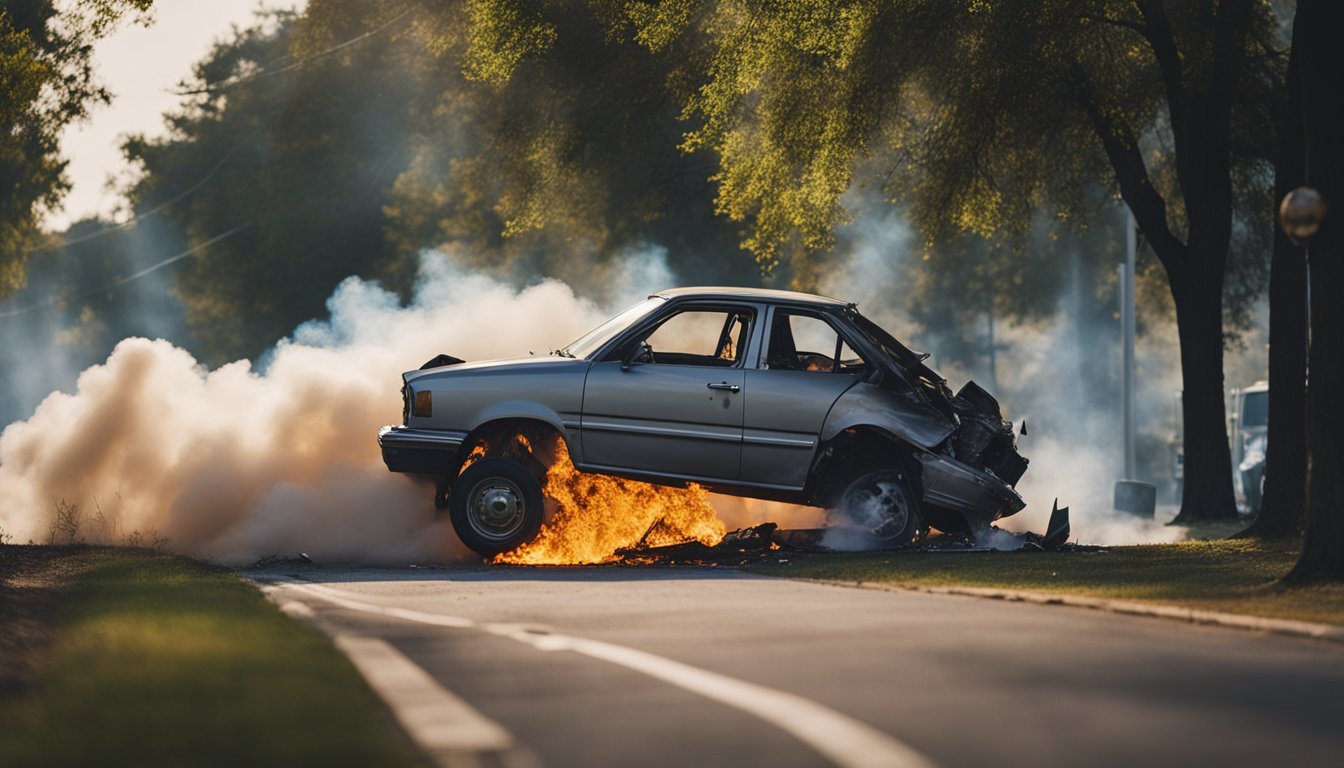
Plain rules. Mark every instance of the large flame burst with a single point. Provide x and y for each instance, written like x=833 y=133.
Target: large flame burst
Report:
x=596 y=515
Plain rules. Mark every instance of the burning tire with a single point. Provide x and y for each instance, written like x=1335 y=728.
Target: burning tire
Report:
x=496 y=506
x=881 y=505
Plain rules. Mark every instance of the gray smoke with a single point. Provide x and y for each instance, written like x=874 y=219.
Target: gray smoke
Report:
x=250 y=460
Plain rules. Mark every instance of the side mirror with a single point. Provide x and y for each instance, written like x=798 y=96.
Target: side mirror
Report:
x=638 y=352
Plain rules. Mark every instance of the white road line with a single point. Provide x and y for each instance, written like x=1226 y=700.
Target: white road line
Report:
x=296 y=610
x=840 y=738
x=435 y=718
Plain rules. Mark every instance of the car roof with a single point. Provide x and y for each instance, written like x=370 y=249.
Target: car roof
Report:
x=769 y=295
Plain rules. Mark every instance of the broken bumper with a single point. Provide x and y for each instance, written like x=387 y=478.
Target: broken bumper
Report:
x=979 y=496
x=420 y=451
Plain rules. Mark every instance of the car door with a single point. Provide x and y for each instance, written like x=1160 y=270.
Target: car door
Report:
x=804 y=368
x=676 y=412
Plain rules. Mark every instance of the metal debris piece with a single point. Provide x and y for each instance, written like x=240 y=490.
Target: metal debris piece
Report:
x=758 y=542
x=1057 y=530
x=266 y=561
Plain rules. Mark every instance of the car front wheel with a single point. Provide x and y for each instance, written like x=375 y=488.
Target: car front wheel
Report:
x=496 y=506
x=880 y=504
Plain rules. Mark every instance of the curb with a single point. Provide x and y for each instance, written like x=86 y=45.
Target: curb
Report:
x=1305 y=629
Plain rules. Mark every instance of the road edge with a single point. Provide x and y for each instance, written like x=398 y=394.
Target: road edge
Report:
x=1302 y=629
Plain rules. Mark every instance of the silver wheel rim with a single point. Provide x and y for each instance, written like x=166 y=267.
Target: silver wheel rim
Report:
x=496 y=509
x=879 y=507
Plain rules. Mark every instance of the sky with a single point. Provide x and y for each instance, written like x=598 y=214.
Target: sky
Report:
x=142 y=67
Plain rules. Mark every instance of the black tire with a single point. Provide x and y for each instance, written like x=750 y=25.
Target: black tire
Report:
x=496 y=506
x=880 y=504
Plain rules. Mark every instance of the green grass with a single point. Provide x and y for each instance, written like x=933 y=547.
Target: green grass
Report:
x=1230 y=576
x=163 y=661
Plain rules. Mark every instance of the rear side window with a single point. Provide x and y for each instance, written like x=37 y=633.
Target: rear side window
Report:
x=804 y=342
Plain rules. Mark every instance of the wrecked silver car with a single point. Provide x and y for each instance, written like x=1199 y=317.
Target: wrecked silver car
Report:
x=761 y=393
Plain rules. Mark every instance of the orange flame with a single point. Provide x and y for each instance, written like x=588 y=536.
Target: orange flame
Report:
x=597 y=515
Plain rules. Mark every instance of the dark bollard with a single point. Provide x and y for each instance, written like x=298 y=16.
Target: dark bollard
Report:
x=1135 y=498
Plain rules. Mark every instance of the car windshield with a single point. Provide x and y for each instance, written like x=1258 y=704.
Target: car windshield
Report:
x=593 y=340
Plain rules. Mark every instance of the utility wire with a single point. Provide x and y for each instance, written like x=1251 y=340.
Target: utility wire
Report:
x=146 y=214
x=239 y=80
x=120 y=281
x=210 y=174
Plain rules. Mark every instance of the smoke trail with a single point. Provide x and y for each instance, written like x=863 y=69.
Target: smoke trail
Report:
x=245 y=461
x=1044 y=374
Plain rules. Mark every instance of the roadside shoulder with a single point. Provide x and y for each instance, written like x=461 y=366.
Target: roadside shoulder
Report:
x=1307 y=629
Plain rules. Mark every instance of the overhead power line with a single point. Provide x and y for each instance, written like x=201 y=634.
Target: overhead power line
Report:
x=120 y=281
x=224 y=159
x=146 y=214
x=239 y=80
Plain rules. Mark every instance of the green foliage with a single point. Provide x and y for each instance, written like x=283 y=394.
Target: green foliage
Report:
x=160 y=660
x=553 y=147
x=303 y=158
x=1226 y=576
x=978 y=114
x=46 y=83
x=350 y=137
x=501 y=35
x=554 y=136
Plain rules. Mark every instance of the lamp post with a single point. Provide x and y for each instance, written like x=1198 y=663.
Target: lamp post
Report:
x=1131 y=495
x=1300 y=215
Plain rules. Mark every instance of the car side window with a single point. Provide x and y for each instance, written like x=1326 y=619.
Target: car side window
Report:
x=700 y=337
x=804 y=342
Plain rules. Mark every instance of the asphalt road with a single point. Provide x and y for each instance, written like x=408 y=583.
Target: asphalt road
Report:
x=652 y=667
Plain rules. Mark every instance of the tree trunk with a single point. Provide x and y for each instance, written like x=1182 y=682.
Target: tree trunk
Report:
x=1207 y=492
x=1322 y=74
x=1286 y=465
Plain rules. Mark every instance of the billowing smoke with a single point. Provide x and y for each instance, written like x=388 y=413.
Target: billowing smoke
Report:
x=1059 y=374
x=277 y=458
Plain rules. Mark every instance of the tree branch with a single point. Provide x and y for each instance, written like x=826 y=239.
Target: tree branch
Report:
x=1136 y=186
x=1163 y=44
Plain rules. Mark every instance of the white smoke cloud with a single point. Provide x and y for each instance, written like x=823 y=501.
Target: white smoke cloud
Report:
x=281 y=457
x=1073 y=442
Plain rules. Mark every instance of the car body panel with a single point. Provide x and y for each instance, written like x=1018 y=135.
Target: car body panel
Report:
x=663 y=418
x=901 y=413
x=979 y=496
x=739 y=427
x=469 y=395
x=785 y=412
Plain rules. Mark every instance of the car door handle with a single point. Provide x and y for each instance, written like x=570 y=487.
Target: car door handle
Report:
x=724 y=385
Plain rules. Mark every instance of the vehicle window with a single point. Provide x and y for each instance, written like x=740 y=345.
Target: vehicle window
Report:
x=1255 y=409
x=701 y=337
x=800 y=342
x=593 y=340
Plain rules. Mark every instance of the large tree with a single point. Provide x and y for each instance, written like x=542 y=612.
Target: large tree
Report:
x=1320 y=61
x=1281 y=505
x=995 y=111
x=288 y=143
x=46 y=83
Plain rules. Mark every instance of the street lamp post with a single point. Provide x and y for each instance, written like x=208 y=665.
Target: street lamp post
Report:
x=1131 y=495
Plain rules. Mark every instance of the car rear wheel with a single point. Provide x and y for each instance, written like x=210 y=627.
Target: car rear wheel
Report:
x=880 y=504
x=496 y=506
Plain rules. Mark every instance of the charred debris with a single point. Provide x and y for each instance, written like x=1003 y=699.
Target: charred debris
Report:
x=767 y=542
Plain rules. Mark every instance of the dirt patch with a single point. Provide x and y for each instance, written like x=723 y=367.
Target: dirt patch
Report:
x=31 y=580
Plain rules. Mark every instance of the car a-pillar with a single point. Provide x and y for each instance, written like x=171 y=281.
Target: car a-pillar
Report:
x=871 y=480
x=494 y=498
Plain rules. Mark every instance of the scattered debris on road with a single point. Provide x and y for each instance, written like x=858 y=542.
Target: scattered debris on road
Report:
x=769 y=541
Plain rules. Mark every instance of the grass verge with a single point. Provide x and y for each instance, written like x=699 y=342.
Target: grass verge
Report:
x=163 y=661
x=1229 y=576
